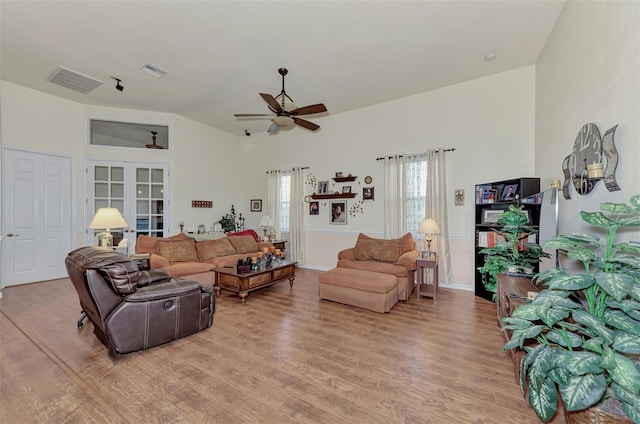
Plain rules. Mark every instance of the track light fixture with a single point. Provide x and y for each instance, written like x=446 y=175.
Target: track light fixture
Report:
x=247 y=133
x=119 y=86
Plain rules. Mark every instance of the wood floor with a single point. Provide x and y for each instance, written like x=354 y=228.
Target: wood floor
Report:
x=284 y=357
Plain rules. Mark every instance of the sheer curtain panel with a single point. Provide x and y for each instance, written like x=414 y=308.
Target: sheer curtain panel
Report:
x=394 y=206
x=296 y=216
x=436 y=208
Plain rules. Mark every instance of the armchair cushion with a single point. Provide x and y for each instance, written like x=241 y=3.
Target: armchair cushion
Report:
x=178 y=251
x=166 y=289
x=120 y=273
x=209 y=249
x=377 y=250
x=244 y=244
x=152 y=276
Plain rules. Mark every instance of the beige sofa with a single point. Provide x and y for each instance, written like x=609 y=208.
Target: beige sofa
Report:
x=374 y=274
x=182 y=256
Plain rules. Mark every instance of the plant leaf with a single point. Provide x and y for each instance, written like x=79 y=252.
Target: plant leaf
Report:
x=552 y=315
x=622 y=321
x=619 y=208
x=626 y=343
x=625 y=373
x=570 y=282
x=528 y=311
x=558 y=337
x=544 y=400
x=583 y=391
x=577 y=362
x=598 y=219
x=631 y=402
x=617 y=285
x=594 y=344
x=539 y=366
x=588 y=320
x=519 y=336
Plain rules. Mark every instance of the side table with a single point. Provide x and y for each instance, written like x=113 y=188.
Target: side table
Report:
x=427 y=277
x=142 y=259
x=279 y=244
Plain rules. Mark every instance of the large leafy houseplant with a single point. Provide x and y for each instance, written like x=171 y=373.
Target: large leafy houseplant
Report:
x=582 y=333
x=513 y=254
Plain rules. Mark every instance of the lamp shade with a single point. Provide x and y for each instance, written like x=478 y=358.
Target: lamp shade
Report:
x=107 y=218
x=266 y=221
x=429 y=226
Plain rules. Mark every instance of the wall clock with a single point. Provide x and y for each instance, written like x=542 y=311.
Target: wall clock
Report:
x=587 y=149
x=368 y=179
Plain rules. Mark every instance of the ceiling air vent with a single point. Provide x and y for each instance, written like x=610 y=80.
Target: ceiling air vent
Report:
x=154 y=70
x=74 y=80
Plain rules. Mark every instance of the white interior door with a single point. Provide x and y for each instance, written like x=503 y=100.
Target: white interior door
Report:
x=140 y=191
x=36 y=190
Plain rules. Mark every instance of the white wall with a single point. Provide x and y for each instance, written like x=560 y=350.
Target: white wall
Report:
x=490 y=121
x=589 y=71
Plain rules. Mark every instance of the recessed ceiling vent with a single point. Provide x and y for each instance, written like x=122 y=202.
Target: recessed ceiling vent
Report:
x=74 y=80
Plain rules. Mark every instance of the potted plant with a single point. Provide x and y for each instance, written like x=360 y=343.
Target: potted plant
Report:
x=582 y=333
x=514 y=254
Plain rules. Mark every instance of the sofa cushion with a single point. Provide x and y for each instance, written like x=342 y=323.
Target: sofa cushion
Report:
x=146 y=244
x=208 y=249
x=180 y=269
x=375 y=266
x=178 y=251
x=244 y=244
x=406 y=241
x=377 y=250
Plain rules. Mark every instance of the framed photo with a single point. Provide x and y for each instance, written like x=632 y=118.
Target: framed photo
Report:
x=314 y=208
x=491 y=216
x=509 y=193
x=338 y=215
x=489 y=196
x=323 y=187
x=338 y=174
x=256 y=205
x=346 y=190
x=368 y=193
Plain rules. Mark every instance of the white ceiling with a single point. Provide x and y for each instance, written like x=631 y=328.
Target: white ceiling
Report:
x=221 y=54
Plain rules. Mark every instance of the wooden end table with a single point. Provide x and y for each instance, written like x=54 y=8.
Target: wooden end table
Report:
x=430 y=287
x=243 y=283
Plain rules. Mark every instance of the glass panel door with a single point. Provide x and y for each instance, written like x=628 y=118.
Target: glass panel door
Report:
x=139 y=191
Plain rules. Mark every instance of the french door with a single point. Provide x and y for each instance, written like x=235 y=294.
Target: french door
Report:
x=140 y=191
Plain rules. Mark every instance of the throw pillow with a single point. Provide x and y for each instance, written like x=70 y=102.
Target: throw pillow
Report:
x=244 y=244
x=251 y=233
x=178 y=251
x=377 y=250
x=406 y=241
x=209 y=249
x=146 y=244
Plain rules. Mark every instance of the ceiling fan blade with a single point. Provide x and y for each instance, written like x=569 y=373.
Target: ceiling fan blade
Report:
x=247 y=115
x=271 y=101
x=308 y=110
x=306 y=124
x=273 y=128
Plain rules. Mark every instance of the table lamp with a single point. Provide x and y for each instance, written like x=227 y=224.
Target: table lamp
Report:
x=107 y=219
x=265 y=223
x=429 y=227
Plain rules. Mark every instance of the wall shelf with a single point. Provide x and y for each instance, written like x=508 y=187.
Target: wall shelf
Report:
x=344 y=179
x=333 y=196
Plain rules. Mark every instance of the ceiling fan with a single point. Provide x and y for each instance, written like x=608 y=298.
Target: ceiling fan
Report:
x=286 y=112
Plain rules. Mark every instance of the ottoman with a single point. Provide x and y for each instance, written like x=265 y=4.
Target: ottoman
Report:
x=369 y=290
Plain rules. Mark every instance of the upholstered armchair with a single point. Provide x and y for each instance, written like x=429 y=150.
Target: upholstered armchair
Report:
x=133 y=310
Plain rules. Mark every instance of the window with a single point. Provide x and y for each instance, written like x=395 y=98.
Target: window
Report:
x=416 y=190
x=126 y=134
x=284 y=202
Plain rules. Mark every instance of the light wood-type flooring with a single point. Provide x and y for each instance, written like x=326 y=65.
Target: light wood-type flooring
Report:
x=284 y=357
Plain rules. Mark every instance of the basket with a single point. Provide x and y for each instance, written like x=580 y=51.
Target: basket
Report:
x=594 y=415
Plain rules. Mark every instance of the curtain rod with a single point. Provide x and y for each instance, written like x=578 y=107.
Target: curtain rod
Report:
x=283 y=170
x=453 y=149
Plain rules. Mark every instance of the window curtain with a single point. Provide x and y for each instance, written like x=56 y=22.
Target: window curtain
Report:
x=296 y=216
x=415 y=192
x=436 y=208
x=273 y=180
x=394 y=207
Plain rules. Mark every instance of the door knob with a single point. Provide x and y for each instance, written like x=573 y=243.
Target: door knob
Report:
x=11 y=235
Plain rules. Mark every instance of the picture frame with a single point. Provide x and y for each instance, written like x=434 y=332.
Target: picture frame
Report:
x=346 y=190
x=491 y=216
x=314 y=208
x=509 y=193
x=338 y=213
x=338 y=174
x=368 y=193
x=489 y=195
x=256 y=205
x=323 y=187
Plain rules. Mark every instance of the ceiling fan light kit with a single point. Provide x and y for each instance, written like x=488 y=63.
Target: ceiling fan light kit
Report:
x=286 y=110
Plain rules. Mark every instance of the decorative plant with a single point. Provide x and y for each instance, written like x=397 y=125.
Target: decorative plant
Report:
x=584 y=329
x=231 y=222
x=513 y=254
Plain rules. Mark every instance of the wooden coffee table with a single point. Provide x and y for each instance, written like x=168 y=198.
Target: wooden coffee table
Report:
x=227 y=278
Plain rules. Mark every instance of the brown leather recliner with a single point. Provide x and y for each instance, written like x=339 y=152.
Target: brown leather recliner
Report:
x=133 y=310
